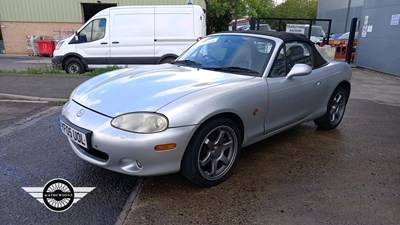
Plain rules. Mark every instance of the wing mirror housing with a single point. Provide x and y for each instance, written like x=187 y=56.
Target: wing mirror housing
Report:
x=75 y=39
x=299 y=70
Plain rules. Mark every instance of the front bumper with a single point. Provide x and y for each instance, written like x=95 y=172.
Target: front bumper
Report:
x=127 y=152
x=57 y=61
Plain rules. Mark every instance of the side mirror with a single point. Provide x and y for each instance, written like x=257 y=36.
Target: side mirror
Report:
x=299 y=70
x=75 y=39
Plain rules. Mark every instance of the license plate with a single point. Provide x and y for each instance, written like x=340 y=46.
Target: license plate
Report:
x=73 y=134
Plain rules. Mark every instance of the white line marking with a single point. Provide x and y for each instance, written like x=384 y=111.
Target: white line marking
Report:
x=23 y=101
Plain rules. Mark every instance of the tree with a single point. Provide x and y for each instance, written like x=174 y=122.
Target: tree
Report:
x=259 y=8
x=220 y=12
x=297 y=9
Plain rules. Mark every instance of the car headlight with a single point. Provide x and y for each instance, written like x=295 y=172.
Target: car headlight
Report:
x=59 y=44
x=144 y=123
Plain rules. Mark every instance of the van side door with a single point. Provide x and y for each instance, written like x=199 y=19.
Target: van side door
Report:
x=93 y=43
x=132 y=35
x=174 y=30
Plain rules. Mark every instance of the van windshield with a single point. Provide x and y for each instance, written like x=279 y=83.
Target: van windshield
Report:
x=315 y=31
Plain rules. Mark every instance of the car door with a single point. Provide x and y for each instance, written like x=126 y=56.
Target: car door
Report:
x=292 y=99
x=93 y=43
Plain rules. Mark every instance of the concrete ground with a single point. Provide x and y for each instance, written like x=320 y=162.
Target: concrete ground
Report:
x=349 y=175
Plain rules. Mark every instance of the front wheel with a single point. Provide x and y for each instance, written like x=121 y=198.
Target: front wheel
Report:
x=212 y=153
x=335 y=110
x=74 y=66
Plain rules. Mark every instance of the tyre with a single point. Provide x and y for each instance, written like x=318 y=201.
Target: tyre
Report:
x=167 y=60
x=212 y=153
x=335 y=110
x=74 y=66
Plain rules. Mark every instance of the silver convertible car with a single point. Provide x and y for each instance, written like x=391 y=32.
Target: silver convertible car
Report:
x=227 y=91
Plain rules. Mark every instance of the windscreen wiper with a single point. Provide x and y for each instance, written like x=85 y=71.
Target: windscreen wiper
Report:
x=186 y=62
x=232 y=69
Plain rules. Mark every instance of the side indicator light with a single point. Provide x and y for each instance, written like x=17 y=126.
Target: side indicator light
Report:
x=164 y=147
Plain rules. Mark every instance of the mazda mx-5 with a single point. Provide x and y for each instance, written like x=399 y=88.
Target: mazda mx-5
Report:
x=227 y=91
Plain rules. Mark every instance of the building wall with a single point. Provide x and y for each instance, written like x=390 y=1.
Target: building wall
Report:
x=379 y=49
x=341 y=12
x=15 y=33
x=22 y=18
x=66 y=10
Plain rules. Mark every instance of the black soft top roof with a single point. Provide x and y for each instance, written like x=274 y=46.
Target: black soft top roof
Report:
x=286 y=37
x=278 y=34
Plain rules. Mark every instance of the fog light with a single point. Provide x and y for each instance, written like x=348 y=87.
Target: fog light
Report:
x=130 y=165
x=139 y=165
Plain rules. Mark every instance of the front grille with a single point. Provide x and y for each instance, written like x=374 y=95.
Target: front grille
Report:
x=98 y=155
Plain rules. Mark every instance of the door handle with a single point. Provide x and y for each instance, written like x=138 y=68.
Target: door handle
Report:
x=103 y=43
x=115 y=42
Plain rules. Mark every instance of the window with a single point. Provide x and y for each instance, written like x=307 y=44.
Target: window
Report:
x=297 y=52
x=93 y=31
x=279 y=67
x=222 y=51
x=292 y=53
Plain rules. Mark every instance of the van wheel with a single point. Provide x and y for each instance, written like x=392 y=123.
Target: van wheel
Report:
x=74 y=66
x=167 y=60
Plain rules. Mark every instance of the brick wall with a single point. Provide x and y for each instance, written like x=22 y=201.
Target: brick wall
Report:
x=15 y=34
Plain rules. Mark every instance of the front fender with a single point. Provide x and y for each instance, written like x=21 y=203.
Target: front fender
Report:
x=246 y=99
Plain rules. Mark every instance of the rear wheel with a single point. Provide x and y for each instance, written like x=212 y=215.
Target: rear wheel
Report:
x=212 y=153
x=167 y=60
x=335 y=110
x=74 y=66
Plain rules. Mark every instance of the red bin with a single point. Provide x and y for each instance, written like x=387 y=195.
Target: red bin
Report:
x=46 y=47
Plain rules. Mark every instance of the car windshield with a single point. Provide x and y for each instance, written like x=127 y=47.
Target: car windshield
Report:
x=238 y=54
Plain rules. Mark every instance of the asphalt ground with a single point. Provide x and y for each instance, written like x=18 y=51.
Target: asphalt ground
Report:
x=45 y=86
x=36 y=152
x=302 y=176
x=350 y=175
x=18 y=63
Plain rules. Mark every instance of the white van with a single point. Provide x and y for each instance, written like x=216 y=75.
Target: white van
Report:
x=125 y=35
x=317 y=33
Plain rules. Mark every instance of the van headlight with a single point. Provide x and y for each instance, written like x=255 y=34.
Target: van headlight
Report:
x=143 y=122
x=59 y=44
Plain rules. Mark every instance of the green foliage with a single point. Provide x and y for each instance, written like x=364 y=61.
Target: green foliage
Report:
x=40 y=69
x=260 y=8
x=49 y=70
x=297 y=9
x=43 y=69
x=220 y=13
x=101 y=70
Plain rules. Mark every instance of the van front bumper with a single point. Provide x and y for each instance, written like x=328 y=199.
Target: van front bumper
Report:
x=57 y=61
